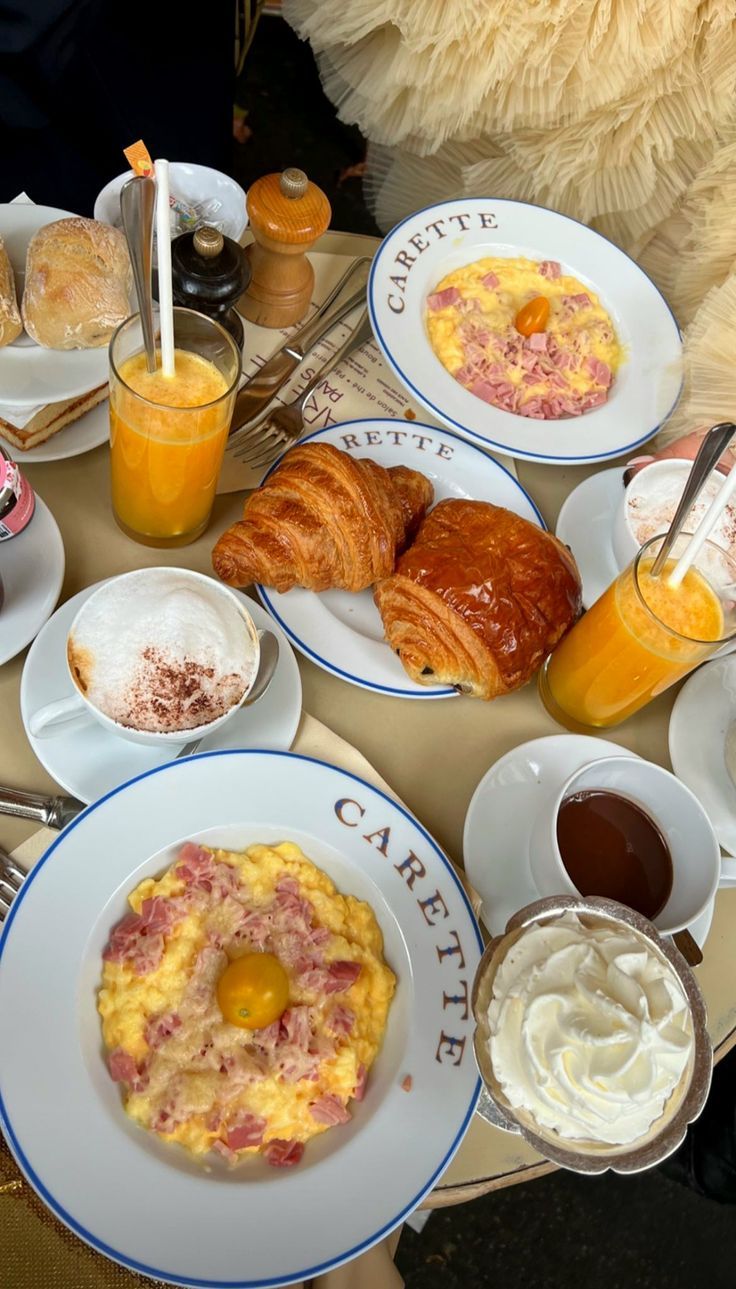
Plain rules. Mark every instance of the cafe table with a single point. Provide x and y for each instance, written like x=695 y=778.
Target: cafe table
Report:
x=432 y=754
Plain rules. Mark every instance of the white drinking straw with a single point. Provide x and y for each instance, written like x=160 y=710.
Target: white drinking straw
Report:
x=163 y=244
x=704 y=529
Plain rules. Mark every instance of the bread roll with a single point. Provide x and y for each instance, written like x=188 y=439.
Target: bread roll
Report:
x=78 y=281
x=479 y=599
x=10 y=323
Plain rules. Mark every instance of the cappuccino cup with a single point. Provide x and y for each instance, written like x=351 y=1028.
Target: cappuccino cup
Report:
x=158 y=656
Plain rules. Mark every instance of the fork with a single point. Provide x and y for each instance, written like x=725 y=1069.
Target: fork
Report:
x=282 y=428
x=11 y=877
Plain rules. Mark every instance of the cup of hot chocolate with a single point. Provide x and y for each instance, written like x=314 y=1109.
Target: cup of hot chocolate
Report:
x=157 y=656
x=628 y=830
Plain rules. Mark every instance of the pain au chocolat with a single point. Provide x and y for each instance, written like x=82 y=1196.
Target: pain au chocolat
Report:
x=479 y=600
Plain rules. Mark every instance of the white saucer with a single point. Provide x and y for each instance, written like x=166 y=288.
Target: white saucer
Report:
x=502 y=811
x=88 y=761
x=342 y=632
x=703 y=711
x=585 y=524
x=88 y=432
x=32 y=571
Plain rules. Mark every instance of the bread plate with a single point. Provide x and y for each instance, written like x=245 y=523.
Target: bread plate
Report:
x=146 y=1204
x=29 y=374
x=342 y=632
x=88 y=432
x=433 y=242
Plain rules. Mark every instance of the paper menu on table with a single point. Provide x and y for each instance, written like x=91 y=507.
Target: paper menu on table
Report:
x=360 y=386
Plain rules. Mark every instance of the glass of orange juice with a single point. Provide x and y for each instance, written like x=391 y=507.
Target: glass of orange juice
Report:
x=640 y=637
x=168 y=433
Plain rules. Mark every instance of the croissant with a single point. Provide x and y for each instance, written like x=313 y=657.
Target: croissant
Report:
x=323 y=519
x=479 y=599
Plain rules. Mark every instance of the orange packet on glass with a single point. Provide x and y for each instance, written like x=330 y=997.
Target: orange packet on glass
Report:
x=139 y=158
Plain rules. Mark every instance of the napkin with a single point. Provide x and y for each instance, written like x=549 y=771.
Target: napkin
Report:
x=35 y=1250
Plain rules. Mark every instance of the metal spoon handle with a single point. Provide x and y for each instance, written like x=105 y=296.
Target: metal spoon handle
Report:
x=137 y=205
x=711 y=450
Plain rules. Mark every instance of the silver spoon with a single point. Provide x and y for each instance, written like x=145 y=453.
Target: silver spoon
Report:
x=266 y=669
x=137 y=205
x=711 y=450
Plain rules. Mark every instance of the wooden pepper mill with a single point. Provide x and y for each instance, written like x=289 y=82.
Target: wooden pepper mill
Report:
x=287 y=214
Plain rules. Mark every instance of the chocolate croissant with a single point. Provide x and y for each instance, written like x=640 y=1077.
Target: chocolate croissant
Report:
x=323 y=519
x=479 y=599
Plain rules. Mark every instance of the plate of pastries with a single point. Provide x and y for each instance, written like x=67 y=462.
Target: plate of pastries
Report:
x=65 y=284
x=404 y=560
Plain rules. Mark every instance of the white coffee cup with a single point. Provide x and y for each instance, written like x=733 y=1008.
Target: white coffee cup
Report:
x=58 y=717
x=649 y=501
x=697 y=867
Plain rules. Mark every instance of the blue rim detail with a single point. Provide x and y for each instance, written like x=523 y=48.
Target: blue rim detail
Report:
x=17 y=1150
x=430 y=694
x=522 y=454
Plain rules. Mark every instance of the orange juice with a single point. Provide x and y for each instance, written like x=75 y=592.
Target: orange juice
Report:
x=624 y=652
x=167 y=439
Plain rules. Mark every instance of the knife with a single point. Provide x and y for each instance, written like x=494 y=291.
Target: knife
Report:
x=54 y=812
x=260 y=390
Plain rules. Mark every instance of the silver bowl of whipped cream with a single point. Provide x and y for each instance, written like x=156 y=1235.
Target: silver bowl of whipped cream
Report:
x=590 y=1035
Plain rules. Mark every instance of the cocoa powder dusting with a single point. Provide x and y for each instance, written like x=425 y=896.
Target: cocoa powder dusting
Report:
x=168 y=695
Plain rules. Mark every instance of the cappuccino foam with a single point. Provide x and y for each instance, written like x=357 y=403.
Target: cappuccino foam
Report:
x=162 y=652
x=653 y=498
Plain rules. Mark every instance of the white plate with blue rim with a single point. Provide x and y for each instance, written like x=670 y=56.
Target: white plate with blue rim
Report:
x=87 y=760
x=147 y=1204
x=420 y=251
x=342 y=632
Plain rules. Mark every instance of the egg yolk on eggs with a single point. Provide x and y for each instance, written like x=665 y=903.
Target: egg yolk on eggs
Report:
x=253 y=991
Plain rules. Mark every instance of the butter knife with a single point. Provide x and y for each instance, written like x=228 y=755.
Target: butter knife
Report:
x=54 y=812
x=259 y=391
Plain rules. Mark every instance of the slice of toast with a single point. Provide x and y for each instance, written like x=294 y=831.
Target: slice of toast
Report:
x=50 y=419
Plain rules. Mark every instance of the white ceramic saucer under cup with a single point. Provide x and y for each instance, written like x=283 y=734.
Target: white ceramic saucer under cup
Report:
x=32 y=571
x=342 y=632
x=585 y=524
x=30 y=374
x=501 y=815
x=703 y=711
x=88 y=432
x=88 y=761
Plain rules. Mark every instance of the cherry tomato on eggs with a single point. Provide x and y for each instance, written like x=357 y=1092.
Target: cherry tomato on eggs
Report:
x=253 y=991
x=534 y=316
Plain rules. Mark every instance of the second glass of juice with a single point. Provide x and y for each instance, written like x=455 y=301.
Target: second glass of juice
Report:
x=168 y=433
x=640 y=637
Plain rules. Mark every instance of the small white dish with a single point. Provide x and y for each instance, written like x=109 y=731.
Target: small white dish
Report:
x=148 y=1205
x=90 y=431
x=702 y=713
x=192 y=183
x=501 y=816
x=30 y=374
x=89 y=761
x=420 y=251
x=32 y=571
x=585 y=524
x=342 y=632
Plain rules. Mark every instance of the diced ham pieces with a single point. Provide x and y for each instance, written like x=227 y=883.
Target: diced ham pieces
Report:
x=490 y=280
x=196 y=867
x=159 y=1028
x=342 y=975
x=295 y=1027
x=122 y=1066
x=442 y=299
x=341 y=1020
x=538 y=341
x=599 y=370
x=575 y=302
x=283 y=1154
x=249 y=1132
x=139 y=937
x=329 y=1110
x=549 y=269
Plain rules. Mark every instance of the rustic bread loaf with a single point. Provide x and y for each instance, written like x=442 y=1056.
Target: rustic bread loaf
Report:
x=78 y=282
x=10 y=323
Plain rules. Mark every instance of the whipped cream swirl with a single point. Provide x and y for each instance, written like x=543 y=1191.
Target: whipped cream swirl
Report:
x=591 y=1030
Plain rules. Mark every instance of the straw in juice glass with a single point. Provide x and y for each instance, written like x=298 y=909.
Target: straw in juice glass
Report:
x=163 y=241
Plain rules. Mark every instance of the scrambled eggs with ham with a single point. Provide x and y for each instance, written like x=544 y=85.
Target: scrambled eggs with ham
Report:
x=525 y=337
x=243 y=1002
